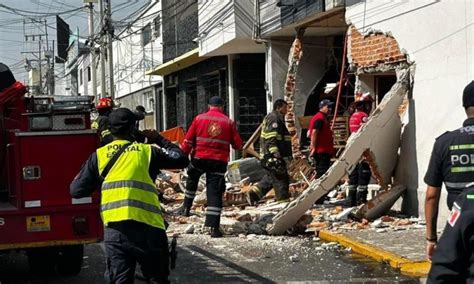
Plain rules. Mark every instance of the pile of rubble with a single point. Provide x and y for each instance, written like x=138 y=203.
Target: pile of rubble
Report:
x=238 y=218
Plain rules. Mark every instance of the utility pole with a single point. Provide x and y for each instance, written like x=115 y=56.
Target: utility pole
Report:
x=92 y=49
x=110 y=57
x=40 y=62
x=102 y=50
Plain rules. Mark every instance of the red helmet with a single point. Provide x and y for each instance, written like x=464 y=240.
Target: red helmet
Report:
x=105 y=103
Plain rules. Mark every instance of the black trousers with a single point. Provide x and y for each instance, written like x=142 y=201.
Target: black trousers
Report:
x=215 y=183
x=129 y=242
x=323 y=162
x=361 y=174
x=281 y=184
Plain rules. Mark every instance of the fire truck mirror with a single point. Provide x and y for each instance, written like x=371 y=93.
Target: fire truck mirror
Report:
x=31 y=172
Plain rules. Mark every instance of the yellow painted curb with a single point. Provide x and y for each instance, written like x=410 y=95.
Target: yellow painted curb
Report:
x=406 y=266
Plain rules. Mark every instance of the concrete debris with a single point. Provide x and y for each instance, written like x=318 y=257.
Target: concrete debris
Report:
x=344 y=214
x=381 y=203
x=189 y=229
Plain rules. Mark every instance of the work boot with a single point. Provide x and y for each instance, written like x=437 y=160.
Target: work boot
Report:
x=352 y=196
x=183 y=211
x=216 y=233
x=252 y=195
x=361 y=195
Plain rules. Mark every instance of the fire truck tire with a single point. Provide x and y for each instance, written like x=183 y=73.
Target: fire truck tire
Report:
x=70 y=260
x=42 y=261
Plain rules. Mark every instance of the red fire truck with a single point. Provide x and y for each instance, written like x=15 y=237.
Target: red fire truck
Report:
x=43 y=143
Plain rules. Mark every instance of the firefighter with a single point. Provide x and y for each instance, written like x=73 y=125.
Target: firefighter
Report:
x=359 y=178
x=452 y=161
x=275 y=150
x=453 y=259
x=104 y=107
x=131 y=212
x=322 y=141
x=208 y=140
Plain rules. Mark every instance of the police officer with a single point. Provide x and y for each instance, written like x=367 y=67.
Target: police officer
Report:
x=322 y=141
x=104 y=107
x=275 y=148
x=359 y=178
x=453 y=259
x=452 y=162
x=134 y=225
x=208 y=140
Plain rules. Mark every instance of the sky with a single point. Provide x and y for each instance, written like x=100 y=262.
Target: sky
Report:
x=12 y=27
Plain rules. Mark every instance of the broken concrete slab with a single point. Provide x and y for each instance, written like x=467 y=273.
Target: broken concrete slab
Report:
x=380 y=204
x=377 y=126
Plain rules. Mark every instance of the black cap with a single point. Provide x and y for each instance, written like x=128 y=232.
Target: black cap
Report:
x=121 y=120
x=468 y=95
x=6 y=77
x=216 y=101
x=324 y=103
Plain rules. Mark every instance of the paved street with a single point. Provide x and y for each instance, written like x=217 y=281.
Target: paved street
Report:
x=255 y=259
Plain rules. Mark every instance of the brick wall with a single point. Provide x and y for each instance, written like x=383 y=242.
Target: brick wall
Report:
x=372 y=49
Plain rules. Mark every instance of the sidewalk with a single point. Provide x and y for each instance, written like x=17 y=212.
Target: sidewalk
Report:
x=404 y=249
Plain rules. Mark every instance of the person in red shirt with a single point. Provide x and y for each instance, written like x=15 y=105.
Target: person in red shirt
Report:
x=208 y=141
x=359 y=178
x=322 y=141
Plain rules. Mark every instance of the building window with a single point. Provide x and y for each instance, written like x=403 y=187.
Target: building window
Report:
x=89 y=74
x=146 y=35
x=157 y=26
x=80 y=77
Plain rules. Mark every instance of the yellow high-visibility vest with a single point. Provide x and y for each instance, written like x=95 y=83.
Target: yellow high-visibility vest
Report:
x=128 y=193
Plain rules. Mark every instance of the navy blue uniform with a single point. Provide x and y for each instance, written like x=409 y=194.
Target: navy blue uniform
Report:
x=452 y=161
x=453 y=259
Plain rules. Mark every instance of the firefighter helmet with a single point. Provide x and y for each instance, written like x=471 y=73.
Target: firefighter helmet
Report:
x=105 y=103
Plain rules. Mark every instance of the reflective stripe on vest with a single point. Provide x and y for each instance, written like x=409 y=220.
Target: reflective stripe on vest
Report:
x=128 y=193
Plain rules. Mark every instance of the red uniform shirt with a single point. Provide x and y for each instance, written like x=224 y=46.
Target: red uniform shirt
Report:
x=210 y=136
x=324 y=140
x=357 y=119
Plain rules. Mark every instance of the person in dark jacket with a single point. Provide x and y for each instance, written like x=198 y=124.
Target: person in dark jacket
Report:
x=104 y=108
x=453 y=259
x=275 y=150
x=130 y=209
x=451 y=163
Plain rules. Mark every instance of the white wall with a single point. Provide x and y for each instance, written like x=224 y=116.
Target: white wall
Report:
x=226 y=27
x=311 y=69
x=438 y=37
x=132 y=60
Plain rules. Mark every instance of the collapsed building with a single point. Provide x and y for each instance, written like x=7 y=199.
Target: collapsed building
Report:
x=304 y=51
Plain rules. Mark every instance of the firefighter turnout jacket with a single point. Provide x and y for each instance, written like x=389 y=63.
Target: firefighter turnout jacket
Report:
x=128 y=191
x=102 y=126
x=275 y=138
x=453 y=259
x=210 y=136
x=452 y=161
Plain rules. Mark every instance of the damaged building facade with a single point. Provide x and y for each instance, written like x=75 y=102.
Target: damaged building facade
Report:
x=239 y=50
x=386 y=35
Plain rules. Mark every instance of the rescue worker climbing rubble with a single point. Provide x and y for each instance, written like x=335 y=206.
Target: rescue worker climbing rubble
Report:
x=131 y=211
x=359 y=178
x=451 y=162
x=275 y=150
x=208 y=141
